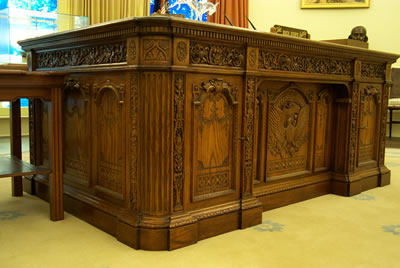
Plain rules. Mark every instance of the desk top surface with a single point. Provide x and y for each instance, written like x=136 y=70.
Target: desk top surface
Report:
x=175 y=26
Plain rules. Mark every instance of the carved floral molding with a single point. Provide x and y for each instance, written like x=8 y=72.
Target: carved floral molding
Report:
x=181 y=51
x=353 y=134
x=249 y=131
x=134 y=137
x=105 y=54
x=179 y=98
x=216 y=55
x=371 y=70
x=285 y=62
x=215 y=85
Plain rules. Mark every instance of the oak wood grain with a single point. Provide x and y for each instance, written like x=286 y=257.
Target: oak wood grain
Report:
x=175 y=131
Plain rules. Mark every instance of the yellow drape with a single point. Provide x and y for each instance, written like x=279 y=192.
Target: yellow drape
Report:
x=104 y=10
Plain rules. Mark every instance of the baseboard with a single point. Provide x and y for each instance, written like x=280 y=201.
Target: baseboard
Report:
x=148 y=238
x=360 y=182
x=284 y=198
x=187 y=228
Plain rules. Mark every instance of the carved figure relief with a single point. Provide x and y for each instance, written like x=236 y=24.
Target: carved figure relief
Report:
x=285 y=62
x=104 y=54
x=288 y=131
x=156 y=50
x=359 y=33
x=214 y=102
x=216 y=55
x=179 y=98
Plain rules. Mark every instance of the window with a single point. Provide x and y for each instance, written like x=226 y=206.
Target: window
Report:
x=181 y=9
x=19 y=28
x=37 y=5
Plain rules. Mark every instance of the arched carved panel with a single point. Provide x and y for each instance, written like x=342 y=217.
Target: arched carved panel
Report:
x=76 y=131
x=289 y=128
x=118 y=90
x=215 y=107
x=110 y=149
x=369 y=105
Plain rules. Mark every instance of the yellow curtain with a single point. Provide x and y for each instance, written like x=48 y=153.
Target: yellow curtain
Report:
x=104 y=10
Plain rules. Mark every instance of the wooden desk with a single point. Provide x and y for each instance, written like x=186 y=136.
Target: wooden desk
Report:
x=176 y=131
x=16 y=84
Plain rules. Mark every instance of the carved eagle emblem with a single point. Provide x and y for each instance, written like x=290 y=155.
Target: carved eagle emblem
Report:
x=288 y=126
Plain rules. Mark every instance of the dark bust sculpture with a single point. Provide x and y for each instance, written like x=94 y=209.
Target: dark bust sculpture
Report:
x=359 y=33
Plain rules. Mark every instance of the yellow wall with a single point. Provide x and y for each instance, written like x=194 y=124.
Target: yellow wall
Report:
x=5 y=122
x=382 y=21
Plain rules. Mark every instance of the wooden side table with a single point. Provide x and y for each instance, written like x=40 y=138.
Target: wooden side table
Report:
x=16 y=84
x=391 y=109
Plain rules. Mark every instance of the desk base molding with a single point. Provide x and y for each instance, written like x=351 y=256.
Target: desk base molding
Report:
x=360 y=182
x=187 y=228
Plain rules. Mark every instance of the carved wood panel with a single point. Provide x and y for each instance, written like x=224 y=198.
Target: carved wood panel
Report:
x=323 y=129
x=368 y=123
x=92 y=55
x=45 y=142
x=179 y=130
x=215 y=126
x=156 y=51
x=35 y=131
x=76 y=132
x=292 y=126
x=110 y=138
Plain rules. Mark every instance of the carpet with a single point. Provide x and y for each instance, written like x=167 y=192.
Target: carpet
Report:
x=328 y=231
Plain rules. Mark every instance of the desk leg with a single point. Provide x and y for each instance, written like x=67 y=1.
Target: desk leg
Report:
x=390 y=122
x=15 y=142
x=56 y=180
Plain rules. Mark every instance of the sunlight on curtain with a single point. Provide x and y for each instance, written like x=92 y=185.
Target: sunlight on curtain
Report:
x=104 y=10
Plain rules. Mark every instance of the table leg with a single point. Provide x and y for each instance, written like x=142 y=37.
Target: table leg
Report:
x=15 y=143
x=390 y=122
x=56 y=180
